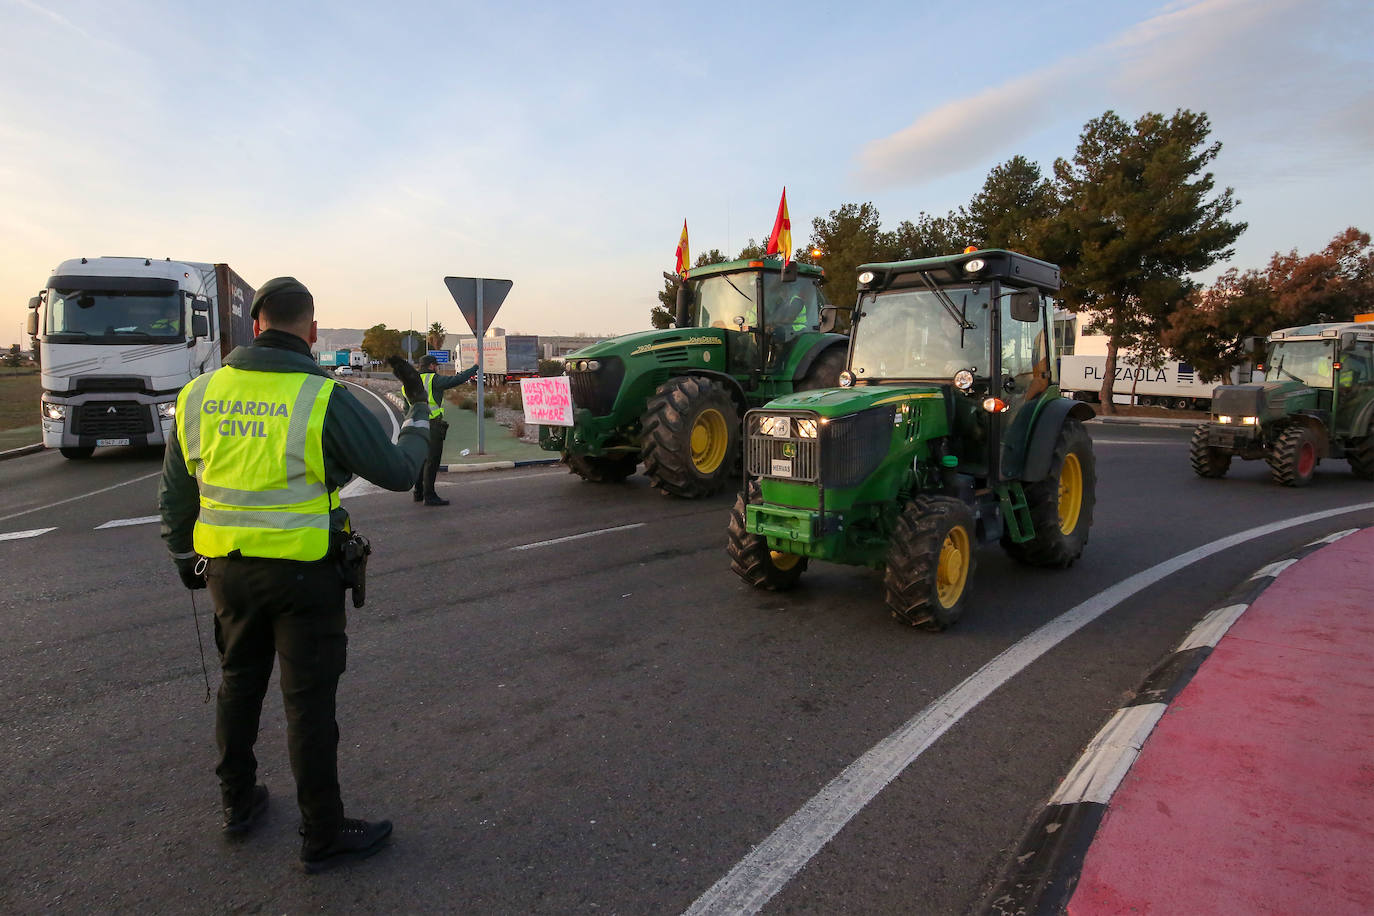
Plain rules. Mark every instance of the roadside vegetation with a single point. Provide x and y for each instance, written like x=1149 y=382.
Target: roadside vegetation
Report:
x=19 y=394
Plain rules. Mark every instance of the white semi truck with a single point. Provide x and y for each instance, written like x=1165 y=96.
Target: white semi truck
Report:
x=119 y=337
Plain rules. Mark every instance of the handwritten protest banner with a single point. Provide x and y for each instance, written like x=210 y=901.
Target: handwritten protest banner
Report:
x=548 y=401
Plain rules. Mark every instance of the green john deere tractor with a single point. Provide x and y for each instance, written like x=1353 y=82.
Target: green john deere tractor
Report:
x=948 y=432
x=746 y=332
x=1316 y=401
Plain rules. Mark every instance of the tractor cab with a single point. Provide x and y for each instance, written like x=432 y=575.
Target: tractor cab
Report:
x=975 y=327
x=765 y=307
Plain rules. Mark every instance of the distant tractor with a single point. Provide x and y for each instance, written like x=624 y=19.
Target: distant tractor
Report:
x=746 y=332
x=948 y=432
x=1316 y=401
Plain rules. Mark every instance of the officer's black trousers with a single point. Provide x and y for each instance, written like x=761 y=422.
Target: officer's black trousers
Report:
x=424 y=481
x=296 y=611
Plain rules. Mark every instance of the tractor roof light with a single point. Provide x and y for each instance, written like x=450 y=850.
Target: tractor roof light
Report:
x=866 y=277
x=974 y=265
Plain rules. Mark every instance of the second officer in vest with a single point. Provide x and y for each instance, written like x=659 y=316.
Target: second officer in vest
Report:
x=435 y=386
x=250 y=506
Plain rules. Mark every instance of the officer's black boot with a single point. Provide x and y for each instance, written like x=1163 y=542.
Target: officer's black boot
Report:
x=354 y=840
x=241 y=814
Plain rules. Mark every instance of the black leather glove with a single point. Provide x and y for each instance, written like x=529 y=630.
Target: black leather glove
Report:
x=411 y=384
x=186 y=568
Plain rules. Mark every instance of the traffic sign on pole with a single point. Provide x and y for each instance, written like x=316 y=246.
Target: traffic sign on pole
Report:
x=465 y=292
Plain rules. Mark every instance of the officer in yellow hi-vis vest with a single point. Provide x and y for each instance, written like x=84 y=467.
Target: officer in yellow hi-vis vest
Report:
x=435 y=385
x=250 y=507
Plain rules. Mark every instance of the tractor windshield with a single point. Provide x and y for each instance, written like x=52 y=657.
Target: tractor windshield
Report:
x=910 y=334
x=722 y=300
x=1306 y=361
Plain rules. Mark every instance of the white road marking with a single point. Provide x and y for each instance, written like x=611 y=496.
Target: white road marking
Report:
x=19 y=535
x=757 y=877
x=1109 y=756
x=1273 y=569
x=125 y=522
x=1333 y=538
x=359 y=487
x=1137 y=442
x=390 y=411
x=70 y=499
x=576 y=537
x=1211 y=628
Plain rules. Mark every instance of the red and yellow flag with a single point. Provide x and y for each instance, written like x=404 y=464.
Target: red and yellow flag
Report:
x=684 y=257
x=780 y=242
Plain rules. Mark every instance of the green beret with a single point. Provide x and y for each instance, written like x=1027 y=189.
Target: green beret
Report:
x=280 y=288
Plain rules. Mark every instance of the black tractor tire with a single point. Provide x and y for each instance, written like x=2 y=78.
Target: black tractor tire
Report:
x=1293 y=459
x=77 y=452
x=824 y=371
x=930 y=562
x=750 y=557
x=602 y=468
x=1361 y=458
x=691 y=437
x=1207 y=461
x=1061 y=505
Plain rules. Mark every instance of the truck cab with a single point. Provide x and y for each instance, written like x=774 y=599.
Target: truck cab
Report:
x=118 y=338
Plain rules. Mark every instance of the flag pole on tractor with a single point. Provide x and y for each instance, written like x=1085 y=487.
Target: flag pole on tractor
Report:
x=780 y=241
x=684 y=257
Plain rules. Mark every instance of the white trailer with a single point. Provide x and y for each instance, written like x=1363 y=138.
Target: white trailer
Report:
x=1174 y=384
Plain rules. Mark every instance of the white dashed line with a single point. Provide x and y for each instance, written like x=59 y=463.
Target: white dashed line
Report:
x=575 y=537
x=31 y=533
x=126 y=522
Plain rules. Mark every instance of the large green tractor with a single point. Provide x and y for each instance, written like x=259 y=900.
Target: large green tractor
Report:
x=1316 y=401
x=746 y=332
x=948 y=432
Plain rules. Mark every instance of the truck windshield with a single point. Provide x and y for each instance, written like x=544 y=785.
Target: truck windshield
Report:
x=114 y=316
x=723 y=299
x=1306 y=361
x=910 y=334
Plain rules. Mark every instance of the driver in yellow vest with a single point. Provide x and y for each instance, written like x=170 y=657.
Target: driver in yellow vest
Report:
x=250 y=506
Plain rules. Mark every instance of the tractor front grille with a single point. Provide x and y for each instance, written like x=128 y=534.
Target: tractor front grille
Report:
x=113 y=418
x=790 y=457
x=854 y=446
x=596 y=390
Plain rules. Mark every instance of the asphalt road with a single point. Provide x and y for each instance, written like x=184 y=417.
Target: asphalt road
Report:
x=567 y=703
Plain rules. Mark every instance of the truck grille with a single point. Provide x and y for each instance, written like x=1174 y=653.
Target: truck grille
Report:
x=596 y=391
x=113 y=418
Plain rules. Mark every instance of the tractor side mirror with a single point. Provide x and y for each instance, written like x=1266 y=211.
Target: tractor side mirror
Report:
x=789 y=272
x=684 y=304
x=1025 y=305
x=830 y=317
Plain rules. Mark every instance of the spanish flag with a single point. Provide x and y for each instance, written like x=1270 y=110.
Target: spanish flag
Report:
x=780 y=242
x=684 y=258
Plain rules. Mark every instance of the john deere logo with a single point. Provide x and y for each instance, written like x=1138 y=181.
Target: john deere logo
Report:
x=789 y=450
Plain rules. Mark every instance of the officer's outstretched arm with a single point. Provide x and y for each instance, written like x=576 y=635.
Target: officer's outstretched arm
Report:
x=356 y=443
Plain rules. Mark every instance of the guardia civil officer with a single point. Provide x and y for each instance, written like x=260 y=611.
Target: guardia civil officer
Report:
x=435 y=385
x=250 y=505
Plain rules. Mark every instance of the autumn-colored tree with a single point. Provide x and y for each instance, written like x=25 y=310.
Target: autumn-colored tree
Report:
x=381 y=342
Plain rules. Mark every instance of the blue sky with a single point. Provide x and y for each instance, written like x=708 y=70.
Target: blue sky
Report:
x=371 y=149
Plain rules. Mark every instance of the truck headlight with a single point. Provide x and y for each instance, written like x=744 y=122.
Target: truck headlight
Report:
x=167 y=410
x=54 y=411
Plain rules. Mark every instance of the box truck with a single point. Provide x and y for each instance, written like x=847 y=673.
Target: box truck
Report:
x=504 y=358
x=118 y=338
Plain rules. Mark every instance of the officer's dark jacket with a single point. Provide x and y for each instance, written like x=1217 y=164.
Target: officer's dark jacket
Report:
x=354 y=442
x=442 y=383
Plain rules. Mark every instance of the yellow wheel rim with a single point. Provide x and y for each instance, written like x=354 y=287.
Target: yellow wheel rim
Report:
x=1070 y=493
x=783 y=561
x=952 y=575
x=710 y=436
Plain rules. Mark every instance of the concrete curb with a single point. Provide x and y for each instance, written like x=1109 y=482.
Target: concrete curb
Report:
x=1147 y=421
x=497 y=465
x=1045 y=869
x=21 y=451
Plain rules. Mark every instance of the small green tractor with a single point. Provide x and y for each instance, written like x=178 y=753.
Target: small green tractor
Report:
x=948 y=431
x=746 y=332
x=1316 y=401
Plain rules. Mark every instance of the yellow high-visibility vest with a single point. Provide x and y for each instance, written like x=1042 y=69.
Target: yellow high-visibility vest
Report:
x=436 y=405
x=254 y=441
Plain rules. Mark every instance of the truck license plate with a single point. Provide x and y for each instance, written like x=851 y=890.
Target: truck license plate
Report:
x=782 y=467
x=104 y=442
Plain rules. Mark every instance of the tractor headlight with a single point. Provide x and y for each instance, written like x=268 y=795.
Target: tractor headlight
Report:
x=167 y=410
x=1223 y=418
x=1248 y=421
x=778 y=427
x=963 y=380
x=806 y=429
x=846 y=379
x=54 y=411
x=592 y=365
